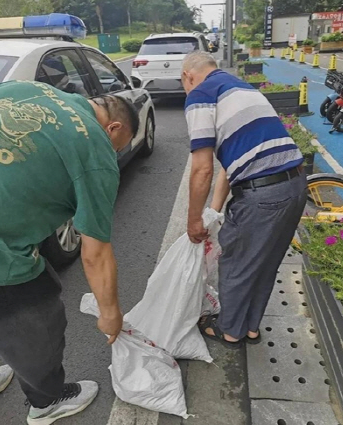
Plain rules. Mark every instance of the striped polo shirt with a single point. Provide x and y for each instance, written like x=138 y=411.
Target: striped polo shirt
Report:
x=235 y=119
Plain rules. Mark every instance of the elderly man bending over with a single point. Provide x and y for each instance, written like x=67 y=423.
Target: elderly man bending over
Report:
x=263 y=167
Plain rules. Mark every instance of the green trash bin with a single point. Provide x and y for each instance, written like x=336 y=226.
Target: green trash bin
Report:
x=109 y=43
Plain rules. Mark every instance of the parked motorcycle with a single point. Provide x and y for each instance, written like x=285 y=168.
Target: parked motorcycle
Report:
x=333 y=104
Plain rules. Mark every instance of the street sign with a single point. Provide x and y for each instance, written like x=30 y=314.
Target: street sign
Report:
x=268 y=26
x=292 y=40
x=215 y=30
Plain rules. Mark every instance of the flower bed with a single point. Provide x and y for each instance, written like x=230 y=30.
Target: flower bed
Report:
x=284 y=98
x=325 y=250
x=323 y=270
x=332 y=42
x=256 y=80
x=302 y=138
x=242 y=56
x=255 y=67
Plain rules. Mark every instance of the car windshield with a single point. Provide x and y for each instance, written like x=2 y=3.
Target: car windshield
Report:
x=169 y=46
x=6 y=63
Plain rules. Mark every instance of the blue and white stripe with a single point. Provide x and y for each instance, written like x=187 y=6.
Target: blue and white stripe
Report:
x=241 y=125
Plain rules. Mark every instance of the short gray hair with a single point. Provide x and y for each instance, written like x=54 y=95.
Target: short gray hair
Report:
x=198 y=60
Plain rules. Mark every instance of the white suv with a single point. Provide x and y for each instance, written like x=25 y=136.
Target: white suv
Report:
x=157 y=67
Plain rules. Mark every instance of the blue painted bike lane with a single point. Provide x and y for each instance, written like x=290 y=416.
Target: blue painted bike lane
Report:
x=283 y=71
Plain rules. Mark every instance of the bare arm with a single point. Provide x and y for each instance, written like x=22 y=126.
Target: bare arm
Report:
x=200 y=185
x=100 y=267
x=221 y=191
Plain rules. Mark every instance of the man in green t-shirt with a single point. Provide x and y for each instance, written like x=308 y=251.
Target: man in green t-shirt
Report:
x=57 y=161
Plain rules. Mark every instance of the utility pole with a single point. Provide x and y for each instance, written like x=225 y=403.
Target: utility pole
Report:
x=229 y=32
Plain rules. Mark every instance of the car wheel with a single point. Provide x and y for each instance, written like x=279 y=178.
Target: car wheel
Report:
x=149 y=140
x=63 y=247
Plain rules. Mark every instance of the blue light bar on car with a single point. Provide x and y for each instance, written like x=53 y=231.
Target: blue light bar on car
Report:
x=58 y=24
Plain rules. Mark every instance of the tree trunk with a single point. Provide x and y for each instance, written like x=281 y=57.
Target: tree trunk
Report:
x=129 y=19
x=98 y=11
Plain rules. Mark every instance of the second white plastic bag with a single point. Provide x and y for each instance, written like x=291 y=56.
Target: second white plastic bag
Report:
x=172 y=304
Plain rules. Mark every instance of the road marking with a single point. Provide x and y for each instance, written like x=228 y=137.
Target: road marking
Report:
x=124 y=413
x=326 y=155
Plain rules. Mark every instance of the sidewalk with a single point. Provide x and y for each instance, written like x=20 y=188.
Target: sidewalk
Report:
x=281 y=381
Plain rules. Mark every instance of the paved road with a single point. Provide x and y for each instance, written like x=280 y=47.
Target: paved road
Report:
x=146 y=197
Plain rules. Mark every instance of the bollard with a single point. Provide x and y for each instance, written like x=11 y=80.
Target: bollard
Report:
x=292 y=57
x=272 y=53
x=333 y=63
x=283 y=54
x=295 y=47
x=302 y=58
x=316 y=61
x=303 y=99
x=288 y=51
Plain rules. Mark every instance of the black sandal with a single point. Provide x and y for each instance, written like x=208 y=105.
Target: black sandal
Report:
x=210 y=322
x=254 y=341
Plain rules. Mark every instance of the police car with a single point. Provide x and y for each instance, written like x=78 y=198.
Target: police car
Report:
x=42 y=48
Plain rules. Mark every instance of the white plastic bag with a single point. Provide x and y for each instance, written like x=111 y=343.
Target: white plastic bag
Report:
x=142 y=374
x=212 y=248
x=146 y=375
x=172 y=304
x=210 y=303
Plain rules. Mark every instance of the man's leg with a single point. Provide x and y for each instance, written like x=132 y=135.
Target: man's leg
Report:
x=268 y=274
x=32 y=325
x=252 y=227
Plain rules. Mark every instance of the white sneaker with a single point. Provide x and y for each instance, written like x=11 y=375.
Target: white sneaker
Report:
x=6 y=375
x=74 y=398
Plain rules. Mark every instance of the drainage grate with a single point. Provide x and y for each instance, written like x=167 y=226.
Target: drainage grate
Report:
x=292 y=257
x=289 y=278
x=270 y=412
x=282 y=303
x=286 y=365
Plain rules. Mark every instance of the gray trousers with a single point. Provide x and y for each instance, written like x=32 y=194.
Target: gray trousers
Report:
x=32 y=325
x=258 y=229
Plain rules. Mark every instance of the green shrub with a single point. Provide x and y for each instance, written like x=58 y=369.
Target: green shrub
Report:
x=241 y=39
x=259 y=37
x=256 y=78
x=308 y=42
x=132 y=45
x=255 y=45
x=277 y=87
x=335 y=37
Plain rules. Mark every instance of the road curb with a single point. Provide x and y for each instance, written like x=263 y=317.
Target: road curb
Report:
x=125 y=59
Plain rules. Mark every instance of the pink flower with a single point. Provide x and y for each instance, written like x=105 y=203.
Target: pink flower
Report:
x=341 y=220
x=289 y=126
x=331 y=240
x=341 y=234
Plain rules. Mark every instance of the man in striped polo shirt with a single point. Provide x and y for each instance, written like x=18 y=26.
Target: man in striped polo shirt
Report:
x=263 y=167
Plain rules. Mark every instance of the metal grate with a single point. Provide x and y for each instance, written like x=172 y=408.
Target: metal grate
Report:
x=270 y=412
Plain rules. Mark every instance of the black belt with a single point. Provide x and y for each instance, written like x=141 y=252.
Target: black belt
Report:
x=266 y=181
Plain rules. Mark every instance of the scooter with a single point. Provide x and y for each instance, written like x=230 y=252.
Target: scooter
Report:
x=333 y=104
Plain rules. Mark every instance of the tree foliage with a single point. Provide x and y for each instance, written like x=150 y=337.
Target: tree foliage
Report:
x=105 y=15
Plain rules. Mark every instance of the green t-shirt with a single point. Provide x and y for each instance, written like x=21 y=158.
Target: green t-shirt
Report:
x=56 y=162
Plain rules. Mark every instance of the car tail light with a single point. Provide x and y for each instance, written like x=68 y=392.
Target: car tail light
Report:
x=140 y=62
